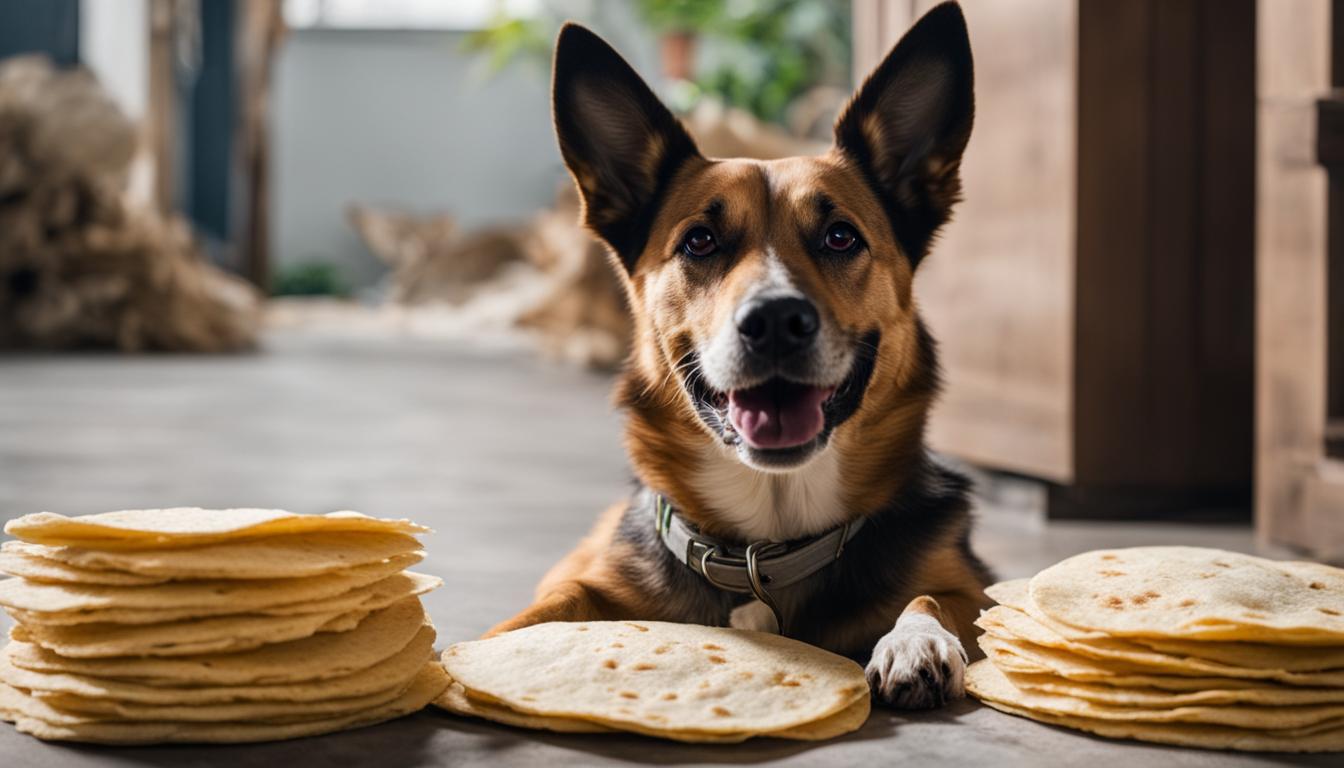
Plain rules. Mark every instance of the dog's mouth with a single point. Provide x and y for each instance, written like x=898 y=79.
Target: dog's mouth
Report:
x=781 y=421
x=779 y=413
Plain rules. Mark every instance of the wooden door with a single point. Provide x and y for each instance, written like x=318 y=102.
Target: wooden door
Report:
x=1299 y=247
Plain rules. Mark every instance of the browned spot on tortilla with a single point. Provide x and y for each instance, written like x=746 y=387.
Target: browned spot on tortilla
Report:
x=746 y=675
x=1316 y=585
x=669 y=697
x=528 y=698
x=712 y=647
x=640 y=627
x=1221 y=564
x=629 y=695
x=704 y=684
x=806 y=676
x=1114 y=602
x=1144 y=598
x=1187 y=602
x=1109 y=557
x=1205 y=575
x=1328 y=611
x=1112 y=574
x=610 y=664
x=721 y=712
x=582 y=629
x=618 y=645
x=657 y=718
x=660 y=650
x=718 y=660
x=645 y=666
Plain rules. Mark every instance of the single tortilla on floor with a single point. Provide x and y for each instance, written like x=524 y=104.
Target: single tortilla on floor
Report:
x=676 y=681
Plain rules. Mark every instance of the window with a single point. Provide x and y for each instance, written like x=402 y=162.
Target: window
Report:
x=401 y=14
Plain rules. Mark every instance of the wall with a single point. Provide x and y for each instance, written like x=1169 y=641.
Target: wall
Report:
x=405 y=118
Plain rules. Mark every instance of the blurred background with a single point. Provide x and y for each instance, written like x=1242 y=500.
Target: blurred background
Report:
x=320 y=254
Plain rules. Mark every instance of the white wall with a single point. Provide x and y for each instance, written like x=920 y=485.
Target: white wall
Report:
x=114 y=43
x=406 y=118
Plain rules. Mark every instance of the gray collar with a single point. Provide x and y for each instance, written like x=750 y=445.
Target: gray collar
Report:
x=756 y=569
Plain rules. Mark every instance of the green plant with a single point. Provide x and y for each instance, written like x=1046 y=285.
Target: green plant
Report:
x=759 y=55
x=310 y=278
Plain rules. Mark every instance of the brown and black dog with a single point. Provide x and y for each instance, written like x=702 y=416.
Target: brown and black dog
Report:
x=781 y=376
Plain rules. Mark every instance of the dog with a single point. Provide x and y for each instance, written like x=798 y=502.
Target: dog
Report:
x=780 y=380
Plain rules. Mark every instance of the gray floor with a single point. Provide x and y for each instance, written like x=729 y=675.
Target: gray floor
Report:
x=508 y=458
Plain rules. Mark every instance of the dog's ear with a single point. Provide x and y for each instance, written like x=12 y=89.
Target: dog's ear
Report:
x=618 y=140
x=908 y=125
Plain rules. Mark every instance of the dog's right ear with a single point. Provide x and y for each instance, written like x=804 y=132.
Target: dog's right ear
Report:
x=618 y=140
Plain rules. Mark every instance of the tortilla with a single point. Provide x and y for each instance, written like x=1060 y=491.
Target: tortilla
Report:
x=183 y=638
x=271 y=557
x=1014 y=625
x=209 y=597
x=84 y=693
x=187 y=526
x=426 y=686
x=1192 y=593
x=662 y=679
x=985 y=682
x=376 y=595
x=1015 y=595
x=33 y=568
x=1139 y=696
x=320 y=657
x=455 y=699
x=1014 y=654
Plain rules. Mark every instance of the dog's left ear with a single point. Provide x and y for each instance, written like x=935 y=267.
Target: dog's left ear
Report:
x=618 y=140
x=908 y=125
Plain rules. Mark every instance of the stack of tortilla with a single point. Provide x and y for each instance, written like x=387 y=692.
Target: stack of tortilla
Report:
x=674 y=681
x=192 y=625
x=1177 y=645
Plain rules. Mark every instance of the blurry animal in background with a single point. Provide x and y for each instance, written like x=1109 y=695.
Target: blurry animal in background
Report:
x=432 y=260
x=80 y=266
x=552 y=274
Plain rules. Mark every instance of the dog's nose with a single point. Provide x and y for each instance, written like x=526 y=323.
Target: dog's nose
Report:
x=777 y=326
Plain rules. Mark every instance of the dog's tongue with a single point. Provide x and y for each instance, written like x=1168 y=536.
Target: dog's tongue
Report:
x=777 y=414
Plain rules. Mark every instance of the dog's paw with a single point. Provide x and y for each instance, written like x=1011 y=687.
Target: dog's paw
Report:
x=917 y=665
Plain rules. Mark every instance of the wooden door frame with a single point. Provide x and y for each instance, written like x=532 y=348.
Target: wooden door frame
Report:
x=1299 y=490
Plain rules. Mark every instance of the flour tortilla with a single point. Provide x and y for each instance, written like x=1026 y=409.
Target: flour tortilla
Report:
x=658 y=678
x=1014 y=625
x=209 y=597
x=1295 y=658
x=183 y=638
x=187 y=526
x=34 y=568
x=320 y=657
x=238 y=712
x=269 y=557
x=455 y=699
x=426 y=686
x=1139 y=696
x=984 y=682
x=376 y=595
x=989 y=681
x=1015 y=595
x=1194 y=594
x=1015 y=655
x=84 y=693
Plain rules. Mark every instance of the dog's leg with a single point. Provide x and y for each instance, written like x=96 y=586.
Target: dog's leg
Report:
x=569 y=601
x=920 y=663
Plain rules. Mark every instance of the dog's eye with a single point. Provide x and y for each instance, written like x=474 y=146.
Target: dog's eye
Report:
x=840 y=238
x=699 y=243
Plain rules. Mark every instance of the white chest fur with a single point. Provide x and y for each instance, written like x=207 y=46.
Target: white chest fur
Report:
x=768 y=505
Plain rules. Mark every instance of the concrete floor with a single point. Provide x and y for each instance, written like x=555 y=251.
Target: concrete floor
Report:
x=508 y=458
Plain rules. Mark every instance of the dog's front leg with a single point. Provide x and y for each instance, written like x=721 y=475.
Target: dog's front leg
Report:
x=566 y=601
x=920 y=663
